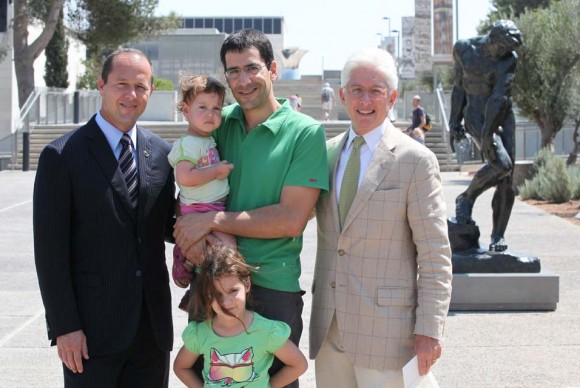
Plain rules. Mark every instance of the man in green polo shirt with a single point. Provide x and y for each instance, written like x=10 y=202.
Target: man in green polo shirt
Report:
x=280 y=168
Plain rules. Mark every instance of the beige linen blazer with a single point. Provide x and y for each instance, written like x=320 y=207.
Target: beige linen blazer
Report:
x=387 y=274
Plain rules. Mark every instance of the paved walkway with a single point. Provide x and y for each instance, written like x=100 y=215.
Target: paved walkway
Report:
x=481 y=349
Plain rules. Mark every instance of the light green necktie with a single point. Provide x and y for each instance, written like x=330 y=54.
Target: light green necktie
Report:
x=349 y=184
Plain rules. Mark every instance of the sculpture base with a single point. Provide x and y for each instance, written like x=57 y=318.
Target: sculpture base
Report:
x=482 y=261
x=505 y=291
x=468 y=257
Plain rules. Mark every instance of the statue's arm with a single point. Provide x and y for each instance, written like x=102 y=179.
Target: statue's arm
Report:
x=458 y=96
x=499 y=103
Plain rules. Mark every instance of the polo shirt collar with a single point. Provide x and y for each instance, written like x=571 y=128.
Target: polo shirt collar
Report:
x=275 y=122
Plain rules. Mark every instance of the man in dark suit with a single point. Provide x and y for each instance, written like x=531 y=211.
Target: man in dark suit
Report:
x=103 y=205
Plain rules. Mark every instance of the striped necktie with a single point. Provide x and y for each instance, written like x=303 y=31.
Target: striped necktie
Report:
x=349 y=185
x=129 y=169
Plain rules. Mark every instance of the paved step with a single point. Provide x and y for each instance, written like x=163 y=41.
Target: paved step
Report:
x=171 y=131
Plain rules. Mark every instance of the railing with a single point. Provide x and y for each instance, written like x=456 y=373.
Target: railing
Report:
x=465 y=150
x=51 y=106
x=444 y=122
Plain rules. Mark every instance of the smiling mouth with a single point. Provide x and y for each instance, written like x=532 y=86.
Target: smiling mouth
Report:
x=365 y=113
x=246 y=92
x=129 y=106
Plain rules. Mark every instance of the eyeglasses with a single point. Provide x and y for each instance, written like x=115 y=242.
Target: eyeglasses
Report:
x=374 y=93
x=252 y=70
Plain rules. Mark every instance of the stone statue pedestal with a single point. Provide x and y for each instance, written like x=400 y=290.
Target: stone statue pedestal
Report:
x=496 y=281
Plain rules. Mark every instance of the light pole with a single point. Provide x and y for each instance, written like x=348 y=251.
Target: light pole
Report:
x=388 y=19
x=398 y=42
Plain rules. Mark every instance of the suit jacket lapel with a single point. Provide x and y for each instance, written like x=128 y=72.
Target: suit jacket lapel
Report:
x=144 y=161
x=101 y=151
x=334 y=149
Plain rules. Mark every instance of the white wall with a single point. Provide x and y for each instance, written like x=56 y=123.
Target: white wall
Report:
x=75 y=67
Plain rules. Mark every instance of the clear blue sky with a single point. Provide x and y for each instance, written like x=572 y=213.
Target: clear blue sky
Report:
x=329 y=30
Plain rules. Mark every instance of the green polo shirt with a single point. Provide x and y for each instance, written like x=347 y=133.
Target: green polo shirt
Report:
x=288 y=149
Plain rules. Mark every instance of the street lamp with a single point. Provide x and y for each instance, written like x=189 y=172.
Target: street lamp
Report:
x=398 y=42
x=389 y=20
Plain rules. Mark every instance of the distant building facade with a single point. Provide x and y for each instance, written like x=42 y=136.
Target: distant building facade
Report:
x=194 y=48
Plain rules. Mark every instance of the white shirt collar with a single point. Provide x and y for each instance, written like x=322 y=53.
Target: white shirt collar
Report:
x=372 y=138
x=113 y=134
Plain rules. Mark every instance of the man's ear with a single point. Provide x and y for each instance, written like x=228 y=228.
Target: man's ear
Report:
x=341 y=95
x=100 y=84
x=247 y=284
x=273 y=70
x=393 y=97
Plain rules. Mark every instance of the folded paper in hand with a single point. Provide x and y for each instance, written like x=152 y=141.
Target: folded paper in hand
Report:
x=412 y=379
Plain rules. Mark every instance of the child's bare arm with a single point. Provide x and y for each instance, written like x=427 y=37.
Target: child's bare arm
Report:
x=188 y=175
x=182 y=368
x=295 y=365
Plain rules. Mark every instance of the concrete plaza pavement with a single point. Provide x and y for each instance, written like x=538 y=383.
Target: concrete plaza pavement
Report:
x=481 y=349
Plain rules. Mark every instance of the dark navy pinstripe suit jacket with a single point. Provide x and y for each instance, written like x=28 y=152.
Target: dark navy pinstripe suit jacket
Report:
x=97 y=261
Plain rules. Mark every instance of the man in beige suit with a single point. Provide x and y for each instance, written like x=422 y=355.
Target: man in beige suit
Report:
x=382 y=280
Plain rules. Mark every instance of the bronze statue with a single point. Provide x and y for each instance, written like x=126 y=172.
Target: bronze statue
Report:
x=484 y=77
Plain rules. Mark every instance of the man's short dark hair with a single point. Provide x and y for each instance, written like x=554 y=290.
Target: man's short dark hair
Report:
x=108 y=65
x=245 y=39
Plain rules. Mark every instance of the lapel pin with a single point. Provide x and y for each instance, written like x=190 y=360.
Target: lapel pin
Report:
x=146 y=153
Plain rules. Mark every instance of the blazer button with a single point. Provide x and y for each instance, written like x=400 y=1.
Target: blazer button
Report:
x=333 y=284
x=138 y=273
x=341 y=252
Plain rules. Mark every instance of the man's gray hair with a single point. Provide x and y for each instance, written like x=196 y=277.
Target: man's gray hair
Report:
x=382 y=60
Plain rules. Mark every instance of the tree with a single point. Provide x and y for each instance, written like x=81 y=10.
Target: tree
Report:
x=548 y=66
x=100 y=24
x=55 y=71
x=24 y=53
x=106 y=24
x=510 y=7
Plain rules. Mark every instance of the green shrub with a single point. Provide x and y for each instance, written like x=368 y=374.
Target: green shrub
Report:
x=574 y=174
x=554 y=181
x=551 y=181
x=529 y=189
x=163 y=84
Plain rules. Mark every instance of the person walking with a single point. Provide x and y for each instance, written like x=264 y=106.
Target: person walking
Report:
x=328 y=100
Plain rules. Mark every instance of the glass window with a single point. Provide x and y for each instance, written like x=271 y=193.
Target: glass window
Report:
x=247 y=23
x=258 y=24
x=277 y=26
x=238 y=24
x=208 y=23
x=267 y=26
x=198 y=23
x=219 y=24
x=229 y=28
x=188 y=23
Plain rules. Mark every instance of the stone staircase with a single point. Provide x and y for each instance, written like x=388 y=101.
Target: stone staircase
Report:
x=309 y=89
x=171 y=131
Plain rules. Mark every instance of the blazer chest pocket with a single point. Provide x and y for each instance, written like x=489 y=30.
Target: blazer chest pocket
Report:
x=396 y=296
x=387 y=195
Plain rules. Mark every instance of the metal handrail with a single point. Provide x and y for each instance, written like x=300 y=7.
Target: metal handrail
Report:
x=445 y=132
x=25 y=111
